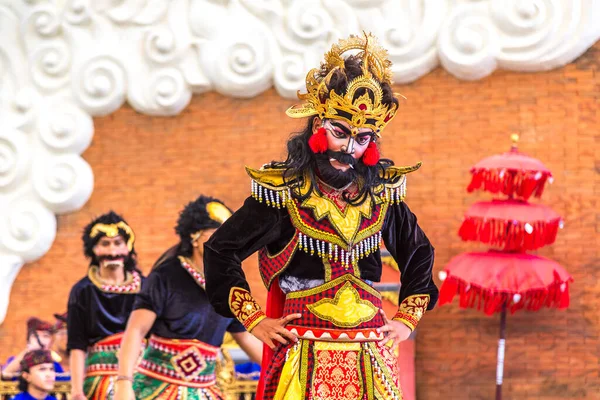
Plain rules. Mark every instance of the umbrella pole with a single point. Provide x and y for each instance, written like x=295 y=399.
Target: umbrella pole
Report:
x=501 y=344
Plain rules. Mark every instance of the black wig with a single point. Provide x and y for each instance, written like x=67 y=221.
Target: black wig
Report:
x=193 y=218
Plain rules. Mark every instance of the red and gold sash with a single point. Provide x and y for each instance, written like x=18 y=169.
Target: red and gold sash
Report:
x=344 y=309
x=189 y=363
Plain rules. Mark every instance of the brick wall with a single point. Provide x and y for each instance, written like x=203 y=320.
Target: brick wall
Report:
x=146 y=168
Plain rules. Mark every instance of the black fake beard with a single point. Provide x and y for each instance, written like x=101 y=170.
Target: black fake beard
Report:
x=332 y=176
x=342 y=157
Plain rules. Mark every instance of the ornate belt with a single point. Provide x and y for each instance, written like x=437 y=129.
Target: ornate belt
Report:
x=190 y=363
x=102 y=356
x=344 y=309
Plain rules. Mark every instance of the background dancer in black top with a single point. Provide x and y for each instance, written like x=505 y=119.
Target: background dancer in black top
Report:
x=99 y=306
x=186 y=332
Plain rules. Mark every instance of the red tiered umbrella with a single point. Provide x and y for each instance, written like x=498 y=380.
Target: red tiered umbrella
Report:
x=511 y=224
x=497 y=281
x=490 y=280
x=513 y=174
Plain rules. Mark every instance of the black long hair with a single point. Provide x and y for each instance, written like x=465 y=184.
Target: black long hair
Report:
x=301 y=161
x=193 y=218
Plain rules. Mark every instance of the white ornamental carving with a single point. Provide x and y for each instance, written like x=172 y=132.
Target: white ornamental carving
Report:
x=62 y=62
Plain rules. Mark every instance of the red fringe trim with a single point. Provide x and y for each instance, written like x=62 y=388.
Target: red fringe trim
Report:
x=491 y=302
x=509 y=235
x=521 y=184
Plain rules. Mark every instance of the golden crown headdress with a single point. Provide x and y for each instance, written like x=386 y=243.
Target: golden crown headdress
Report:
x=367 y=110
x=112 y=230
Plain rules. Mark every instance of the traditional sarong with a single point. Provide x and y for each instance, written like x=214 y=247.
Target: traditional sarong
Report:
x=338 y=356
x=101 y=368
x=173 y=369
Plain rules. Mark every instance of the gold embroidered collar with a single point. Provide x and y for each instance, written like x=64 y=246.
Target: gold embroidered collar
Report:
x=132 y=284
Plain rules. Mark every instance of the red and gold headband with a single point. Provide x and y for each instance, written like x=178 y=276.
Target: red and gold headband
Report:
x=112 y=230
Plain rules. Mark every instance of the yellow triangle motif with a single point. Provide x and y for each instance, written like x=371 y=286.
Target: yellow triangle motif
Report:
x=347 y=222
x=346 y=309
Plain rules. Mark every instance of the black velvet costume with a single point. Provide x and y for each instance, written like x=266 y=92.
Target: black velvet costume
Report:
x=94 y=314
x=256 y=225
x=329 y=286
x=182 y=351
x=98 y=311
x=181 y=306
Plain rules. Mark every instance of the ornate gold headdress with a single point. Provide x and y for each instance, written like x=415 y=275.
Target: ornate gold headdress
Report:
x=362 y=112
x=112 y=230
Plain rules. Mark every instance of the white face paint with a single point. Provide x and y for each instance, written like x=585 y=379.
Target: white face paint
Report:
x=343 y=137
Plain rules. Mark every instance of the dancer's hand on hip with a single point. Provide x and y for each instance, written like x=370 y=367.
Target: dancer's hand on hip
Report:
x=270 y=331
x=393 y=330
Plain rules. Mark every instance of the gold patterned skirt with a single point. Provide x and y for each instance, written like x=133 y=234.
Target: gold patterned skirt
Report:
x=338 y=355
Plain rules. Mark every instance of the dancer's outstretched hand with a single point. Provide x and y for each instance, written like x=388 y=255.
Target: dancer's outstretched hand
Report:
x=393 y=330
x=270 y=330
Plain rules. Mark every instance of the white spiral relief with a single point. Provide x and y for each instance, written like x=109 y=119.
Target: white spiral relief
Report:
x=10 y=265
x=240 y=62
x=42 y=21
x=28 y=230
x=14 y=159
x=65 y=128
x=100 y=85
x=160 y=45
x=169 y=92
x=290 y=75
x=469 y=43
x=410 y=36
x=540 y=34
x=303 y=34
x=305 y=23
x=23 y=100
x=139 y=12
x=527 y=28
x=77 y=12
x=366 y=3
x=63 y=183
x=309 y=27
x=50 y=65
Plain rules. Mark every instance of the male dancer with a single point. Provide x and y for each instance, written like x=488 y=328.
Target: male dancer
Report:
x=99 y=306
x=317 y=220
